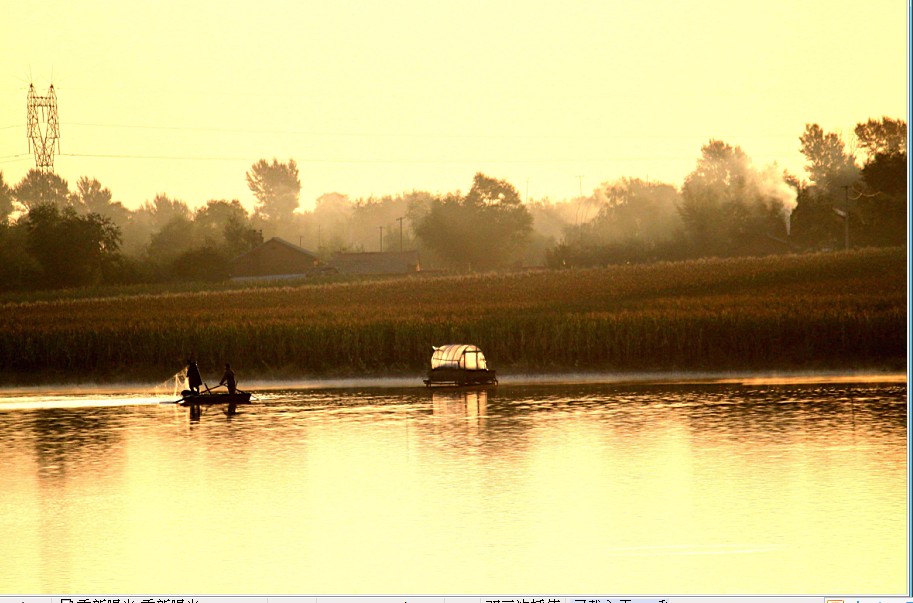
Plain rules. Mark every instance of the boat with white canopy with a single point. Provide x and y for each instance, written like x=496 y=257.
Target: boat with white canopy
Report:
x=457 y=365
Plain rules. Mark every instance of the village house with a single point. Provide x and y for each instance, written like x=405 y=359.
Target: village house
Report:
x=276 y=258
x=389 y=262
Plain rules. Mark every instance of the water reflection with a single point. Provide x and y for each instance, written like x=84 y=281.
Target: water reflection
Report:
x=464 y=412
x=63 y=438
x=684 y=488
x=460 y=402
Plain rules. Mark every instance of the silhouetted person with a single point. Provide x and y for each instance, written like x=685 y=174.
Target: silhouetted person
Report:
x=194 y=380
x=228 y=379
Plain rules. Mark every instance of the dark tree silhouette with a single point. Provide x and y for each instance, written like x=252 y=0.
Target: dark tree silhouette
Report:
x=42 y=188
x=6 y=200
x=72 y=250
x=276 y=187
x=728 y=207
x=163 y=210
x=483 y=230
x=885 y=137
x=91 y=196
x=829 y=166
x=225 y=225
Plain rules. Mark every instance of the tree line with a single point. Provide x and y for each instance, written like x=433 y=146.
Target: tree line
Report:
x=728 y=207
x=52 y=236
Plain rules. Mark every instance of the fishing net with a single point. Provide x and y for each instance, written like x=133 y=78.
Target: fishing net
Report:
x=174 y=385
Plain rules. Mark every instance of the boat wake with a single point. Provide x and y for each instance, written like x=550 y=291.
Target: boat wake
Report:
x=42 y=402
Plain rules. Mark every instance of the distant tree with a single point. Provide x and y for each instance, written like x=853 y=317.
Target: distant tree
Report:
x=887 y=173
x=276 y=187
x=18 y=269
x=148 y=221
x=42 y=188
x=491 y=192
x=91 y=196
x=885 y=144
x=485 y=229
x=505 y=222
x=163 y=210
x=391 y=212
x=882 y=197
x=636 y=221
x=368 y=215
x=172 y=240
x=635 y=210
x=198 y=247
x=6 y=200
x=881 y=201
x=869 y=203
x=331 y=226
x=206 y=263
x=210 y=220
x=240 y=237
x=552 y=219
x=137 y=226
x=727 y=206
x=72 y=250
x=226 y=227
x=813 y=224
x=829 y=165
x=885 y=137
x=552 y=223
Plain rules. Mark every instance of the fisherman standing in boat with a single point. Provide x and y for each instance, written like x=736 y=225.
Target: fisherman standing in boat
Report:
x=228 y=379
x=194 y=379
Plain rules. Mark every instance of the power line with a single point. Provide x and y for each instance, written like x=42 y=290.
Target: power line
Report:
x=414 y=134
x=183 y=128
x=14 y=158
x=381 y=161
x=318 y=160
x=158 y=157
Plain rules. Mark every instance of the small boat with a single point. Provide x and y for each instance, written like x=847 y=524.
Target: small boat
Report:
x=188 y=398
x=196 y=401
x=458 y=365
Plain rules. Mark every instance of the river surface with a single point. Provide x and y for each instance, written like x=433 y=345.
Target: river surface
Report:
x=736 y=487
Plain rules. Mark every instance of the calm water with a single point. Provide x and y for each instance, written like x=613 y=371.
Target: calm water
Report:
x=665 y=488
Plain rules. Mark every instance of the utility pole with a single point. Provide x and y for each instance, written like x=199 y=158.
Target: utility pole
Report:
x=580 y=178
x=381 y=229
x=400 y=220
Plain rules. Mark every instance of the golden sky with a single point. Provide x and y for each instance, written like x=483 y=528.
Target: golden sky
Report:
x=374 y=98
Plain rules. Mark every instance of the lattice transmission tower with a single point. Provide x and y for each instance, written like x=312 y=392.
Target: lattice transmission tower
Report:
x=43 y=130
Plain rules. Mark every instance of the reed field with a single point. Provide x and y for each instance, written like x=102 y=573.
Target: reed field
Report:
x=800 y=312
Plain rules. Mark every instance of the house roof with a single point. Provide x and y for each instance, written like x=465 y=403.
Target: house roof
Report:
x=376 y=262
x=279 y=241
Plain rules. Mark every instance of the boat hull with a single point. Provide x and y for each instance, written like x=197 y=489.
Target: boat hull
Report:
x=454 y=377
x=205 y=399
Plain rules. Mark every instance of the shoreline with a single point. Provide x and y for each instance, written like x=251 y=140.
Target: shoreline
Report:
x=797 y=377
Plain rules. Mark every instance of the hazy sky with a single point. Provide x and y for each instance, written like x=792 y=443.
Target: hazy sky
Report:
x=381 y=97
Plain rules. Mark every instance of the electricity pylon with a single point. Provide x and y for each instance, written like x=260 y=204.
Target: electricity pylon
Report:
x=43 y=130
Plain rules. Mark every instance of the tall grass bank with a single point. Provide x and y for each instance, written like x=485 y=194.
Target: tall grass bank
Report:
x=821 y=311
